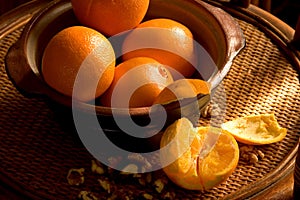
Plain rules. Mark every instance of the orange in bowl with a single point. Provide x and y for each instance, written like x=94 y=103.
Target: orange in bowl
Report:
x=110 y=17
x=137 y=82
x=167 y=41
x=207 y=24
x=182 y=88
x=79 y=48
x=198 y=158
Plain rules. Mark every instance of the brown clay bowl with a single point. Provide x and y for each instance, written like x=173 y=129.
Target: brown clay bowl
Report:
x=214 y=29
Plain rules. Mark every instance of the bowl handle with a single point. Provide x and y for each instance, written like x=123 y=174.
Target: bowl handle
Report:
x=241 y=3
x=20 y=73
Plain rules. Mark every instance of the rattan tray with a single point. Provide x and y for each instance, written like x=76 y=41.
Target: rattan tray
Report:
x=38 y=145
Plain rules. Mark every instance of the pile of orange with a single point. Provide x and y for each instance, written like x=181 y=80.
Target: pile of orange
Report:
x=80 y=61
x=157 y=63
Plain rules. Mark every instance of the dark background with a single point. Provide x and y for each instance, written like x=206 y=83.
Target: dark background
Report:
x=286 y=10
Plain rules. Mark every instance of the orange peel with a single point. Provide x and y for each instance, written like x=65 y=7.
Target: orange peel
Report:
x=256 y=129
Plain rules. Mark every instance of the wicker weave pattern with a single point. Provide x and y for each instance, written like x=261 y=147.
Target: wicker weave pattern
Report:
x=38 y=147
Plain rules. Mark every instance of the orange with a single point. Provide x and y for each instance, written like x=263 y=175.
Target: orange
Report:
x=197 y=158
x=110 y=17
x=182 y=88
x=137 y=83
x=79 y=48
x=167 y=41
x=256 y=129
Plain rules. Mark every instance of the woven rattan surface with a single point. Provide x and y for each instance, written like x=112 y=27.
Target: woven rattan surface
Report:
x=38 y=147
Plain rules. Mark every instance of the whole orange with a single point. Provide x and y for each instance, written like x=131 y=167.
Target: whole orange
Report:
x=79 y=49
x=167 y=41
x=110 y=17
x=137 y=82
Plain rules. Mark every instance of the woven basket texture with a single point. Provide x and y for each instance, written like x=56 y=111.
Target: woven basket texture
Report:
x=38 y=147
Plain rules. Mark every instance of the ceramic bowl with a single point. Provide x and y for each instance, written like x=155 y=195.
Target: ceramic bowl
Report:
x=213 y=29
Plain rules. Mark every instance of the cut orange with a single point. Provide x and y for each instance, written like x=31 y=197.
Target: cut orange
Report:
x=198 y=158
x=256 y=129
x=182 y=88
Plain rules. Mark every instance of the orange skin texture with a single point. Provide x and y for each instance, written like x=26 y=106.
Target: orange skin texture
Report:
x=110 y=17
x=165 y=40
x=137 y=82
x=79 y=48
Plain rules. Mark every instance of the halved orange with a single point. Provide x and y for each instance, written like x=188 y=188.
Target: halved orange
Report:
x=197 y=158
x=256 y=129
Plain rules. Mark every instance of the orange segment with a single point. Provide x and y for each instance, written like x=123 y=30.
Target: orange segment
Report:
x=182 y=88
x=197 y=158
x=219 y=164
x=256 y=129
x=165 y=40
x=75 y=48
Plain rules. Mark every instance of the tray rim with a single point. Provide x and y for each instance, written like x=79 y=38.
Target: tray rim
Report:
x=281 y=33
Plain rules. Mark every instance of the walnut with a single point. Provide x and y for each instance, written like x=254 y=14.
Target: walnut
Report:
x=251 y=154
x=169 y=195
x=75 y=176
x=260 y=154
x=143 y=179
x=206 y=112
x=148 y=177
x=114 y=161
x=86 y=195
x=246 y=148
x=253 y=158
x=138 y=158
x=159 y=185
x=147 y=196
x=97 y=167
x=105 y=184
x=211 y=110
x=130 y=169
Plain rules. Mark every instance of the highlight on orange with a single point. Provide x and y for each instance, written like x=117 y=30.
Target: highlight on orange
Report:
x=110 y=17
x=79 y=48
x=165 y=40
x=137 y=82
